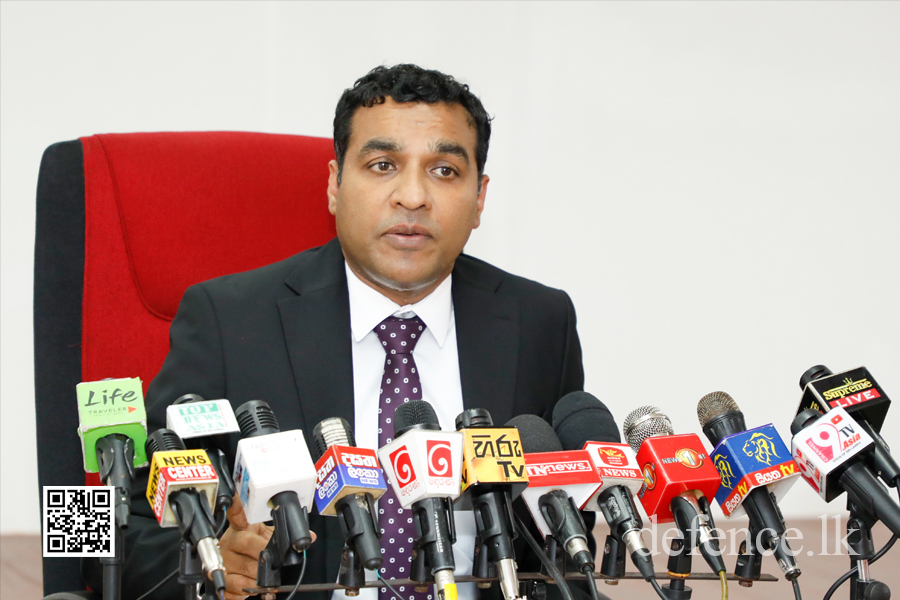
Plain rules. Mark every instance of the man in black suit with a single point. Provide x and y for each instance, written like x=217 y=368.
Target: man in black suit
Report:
x=406 y=190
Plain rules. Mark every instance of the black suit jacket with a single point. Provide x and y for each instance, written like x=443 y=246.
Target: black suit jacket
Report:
x=281 y=334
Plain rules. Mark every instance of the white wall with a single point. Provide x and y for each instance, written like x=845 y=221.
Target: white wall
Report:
x=717 y=185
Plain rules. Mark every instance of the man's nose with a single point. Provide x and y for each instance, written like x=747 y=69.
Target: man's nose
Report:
x=412 y=191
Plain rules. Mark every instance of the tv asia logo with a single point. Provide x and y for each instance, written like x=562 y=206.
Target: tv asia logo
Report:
x=403 y=467
x=832 y=437
x=440 y=458
x=613 y=457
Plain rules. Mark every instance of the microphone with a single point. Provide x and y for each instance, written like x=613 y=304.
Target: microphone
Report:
x=423 y=465
x=205 y=424
x=276 y=480
x=755 y=470
x=559 y=484
x=583 y=421
x=349 y=481
x=112 y=425
x=830 y=450
x=182 y=486
x=678 y=479
x=493 y=474
x=857 y=392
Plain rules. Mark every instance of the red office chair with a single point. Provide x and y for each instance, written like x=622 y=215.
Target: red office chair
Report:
x=125 y=223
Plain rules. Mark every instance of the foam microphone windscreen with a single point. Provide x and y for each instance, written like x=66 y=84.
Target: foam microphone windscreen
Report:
x=536 y=434
x=413 y=413
x=580 y=417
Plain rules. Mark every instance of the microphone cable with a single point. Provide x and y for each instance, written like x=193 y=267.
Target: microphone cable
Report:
x=299 y=579
x=220 y=530
x=389 y=586
x=890 y=544
x=551 y=568
x=158 y=585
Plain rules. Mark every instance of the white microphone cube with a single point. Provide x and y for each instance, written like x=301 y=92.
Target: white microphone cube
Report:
x=201 y=419
x=617 y=465
x=572 y=471
x=270 y=464
x=422 y=464
x=822 y=447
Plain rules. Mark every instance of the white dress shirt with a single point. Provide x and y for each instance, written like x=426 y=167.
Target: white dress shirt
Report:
x=437 y=360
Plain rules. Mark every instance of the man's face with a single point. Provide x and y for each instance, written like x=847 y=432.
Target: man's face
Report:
x=409 y=195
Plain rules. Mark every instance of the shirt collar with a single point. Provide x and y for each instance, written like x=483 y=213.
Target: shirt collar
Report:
x=369 y=307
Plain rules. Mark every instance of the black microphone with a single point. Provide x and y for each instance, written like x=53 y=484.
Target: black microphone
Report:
x=556 y=506
x=860 y=395
x=721 y=417
x=206 y=425
x=277 y=481
x=493 y=473
x=580 y=418
x=831 y=450
x=181 y=484
x=353 y=508
x=423 y=464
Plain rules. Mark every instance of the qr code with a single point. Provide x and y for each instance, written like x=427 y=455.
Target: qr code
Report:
x=78 y=521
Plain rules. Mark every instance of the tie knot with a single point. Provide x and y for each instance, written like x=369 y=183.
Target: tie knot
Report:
x=399 y=336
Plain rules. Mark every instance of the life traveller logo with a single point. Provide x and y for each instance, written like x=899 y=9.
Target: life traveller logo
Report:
x=440 y=458
x=402 y=465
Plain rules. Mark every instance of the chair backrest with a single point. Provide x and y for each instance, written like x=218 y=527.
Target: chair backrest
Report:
x=125 y=223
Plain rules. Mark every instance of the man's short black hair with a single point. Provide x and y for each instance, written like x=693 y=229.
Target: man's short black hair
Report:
x=409 y=83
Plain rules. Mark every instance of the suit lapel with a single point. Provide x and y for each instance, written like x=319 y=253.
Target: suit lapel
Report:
x=487 y=332
x=316 y=326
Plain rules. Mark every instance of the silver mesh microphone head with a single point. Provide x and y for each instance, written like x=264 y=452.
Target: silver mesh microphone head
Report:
x=644 y=422
x=714 y=404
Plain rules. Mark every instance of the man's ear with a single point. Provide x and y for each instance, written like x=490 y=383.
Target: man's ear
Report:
x=332 y=186
x=481 y=194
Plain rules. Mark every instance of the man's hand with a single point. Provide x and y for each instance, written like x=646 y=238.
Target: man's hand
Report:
x=240 y=547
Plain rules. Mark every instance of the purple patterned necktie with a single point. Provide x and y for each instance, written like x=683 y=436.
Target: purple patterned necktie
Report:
x=399 y=384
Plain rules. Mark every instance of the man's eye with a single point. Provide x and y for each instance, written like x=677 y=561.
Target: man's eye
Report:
x=383 y=166
x=445 y=171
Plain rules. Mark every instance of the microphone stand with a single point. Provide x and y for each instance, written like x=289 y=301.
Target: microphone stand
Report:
x=482 y=567
x=115 y=458
x=351 y=574
x=679 y=567
x=859 y=538
x=112 y=567
x=612 y=567
x=748 y=567
x=557 y=556
x=280 y=551
x=190 y=573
